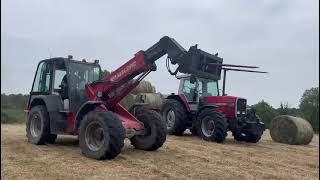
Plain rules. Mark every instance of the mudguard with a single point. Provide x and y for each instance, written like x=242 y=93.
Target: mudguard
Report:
x=85 y=108
x=52 y=102
x=181 y=98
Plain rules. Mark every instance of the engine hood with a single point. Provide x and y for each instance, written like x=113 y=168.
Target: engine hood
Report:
x=220 y=99
x=229 y=105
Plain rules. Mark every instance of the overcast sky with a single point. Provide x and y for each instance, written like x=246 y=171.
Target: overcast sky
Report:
x=282 y=37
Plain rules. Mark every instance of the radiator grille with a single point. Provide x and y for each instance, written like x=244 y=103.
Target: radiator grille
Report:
x=241 y=107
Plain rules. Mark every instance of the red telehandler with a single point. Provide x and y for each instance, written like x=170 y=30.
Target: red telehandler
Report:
x=71 y=97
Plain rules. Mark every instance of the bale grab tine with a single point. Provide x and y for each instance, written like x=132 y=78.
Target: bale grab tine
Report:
x=232 y=65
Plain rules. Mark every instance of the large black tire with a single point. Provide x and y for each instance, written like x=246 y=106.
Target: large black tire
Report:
x=194 y=131
x=101 y=135
x=155 y=130
x=249 y=138
x=175 y=116
x=219 y=126
x=254 y=138
x=51 y=138
x=38 y=125
x=250 y=134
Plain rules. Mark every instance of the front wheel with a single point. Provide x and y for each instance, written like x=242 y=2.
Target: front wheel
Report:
x=211 y=125
x=51 y=138
x=38 y=125
x=154 y=130
x=101 y=135
x=252 y=129
x=250 y=135
x=194 y=131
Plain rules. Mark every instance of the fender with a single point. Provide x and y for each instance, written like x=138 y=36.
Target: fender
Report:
x=52 y=102
x=181 y=98
x=214 y=106
x=85 y=108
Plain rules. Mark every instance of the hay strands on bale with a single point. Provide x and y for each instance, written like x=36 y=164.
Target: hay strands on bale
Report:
x=291 y=130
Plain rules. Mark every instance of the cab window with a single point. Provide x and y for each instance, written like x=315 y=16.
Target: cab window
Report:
x=42 y=79
x=188 y=89
x=59 y=74
x=208 y=87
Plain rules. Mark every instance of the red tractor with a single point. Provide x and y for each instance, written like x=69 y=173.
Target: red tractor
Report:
x=71 y=97
x=200 y=108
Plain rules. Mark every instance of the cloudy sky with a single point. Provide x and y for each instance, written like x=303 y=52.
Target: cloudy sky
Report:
x=282 y=37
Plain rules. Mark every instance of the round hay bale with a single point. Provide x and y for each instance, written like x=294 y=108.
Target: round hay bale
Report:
x=291 y=130
x=155 y=100
x=144 y=87
x=128 y=101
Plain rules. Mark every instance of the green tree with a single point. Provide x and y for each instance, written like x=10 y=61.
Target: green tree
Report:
x=285 y=109
x=265 y=111
x=309 y=107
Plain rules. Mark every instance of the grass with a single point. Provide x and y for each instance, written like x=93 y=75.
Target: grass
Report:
x=12 y=115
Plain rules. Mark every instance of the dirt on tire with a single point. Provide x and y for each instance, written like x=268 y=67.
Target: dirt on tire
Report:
x=181 y=157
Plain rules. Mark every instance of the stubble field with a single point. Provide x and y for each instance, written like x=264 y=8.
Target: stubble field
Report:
x=185 y=157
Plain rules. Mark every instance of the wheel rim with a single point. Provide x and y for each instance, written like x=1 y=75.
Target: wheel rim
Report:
x=94 y=136
x=171 y=117
x=207 y=126
x=35 y=125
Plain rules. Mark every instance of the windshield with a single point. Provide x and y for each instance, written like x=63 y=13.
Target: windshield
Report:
x=208 y=87
x=81 y=74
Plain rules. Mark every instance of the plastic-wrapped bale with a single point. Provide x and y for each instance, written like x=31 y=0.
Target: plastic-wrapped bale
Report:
x=291 y=130
x=154 y=100
x=128 y=101
x=144 y=87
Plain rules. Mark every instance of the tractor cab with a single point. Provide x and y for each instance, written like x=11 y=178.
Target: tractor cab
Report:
x=196 y=89
x=64 y=79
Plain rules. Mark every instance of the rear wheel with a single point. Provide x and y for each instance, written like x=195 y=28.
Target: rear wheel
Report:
x=211 y=125
x=38 y=125
x=101 y=135
x=154 y=133
x=175 y=116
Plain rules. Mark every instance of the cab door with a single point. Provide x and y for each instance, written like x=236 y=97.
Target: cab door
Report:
x=42 y=81
x=189 y=90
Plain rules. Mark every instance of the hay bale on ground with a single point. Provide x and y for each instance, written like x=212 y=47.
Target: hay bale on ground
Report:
x=154 y=100
x=291 y=130
x=144 y=87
